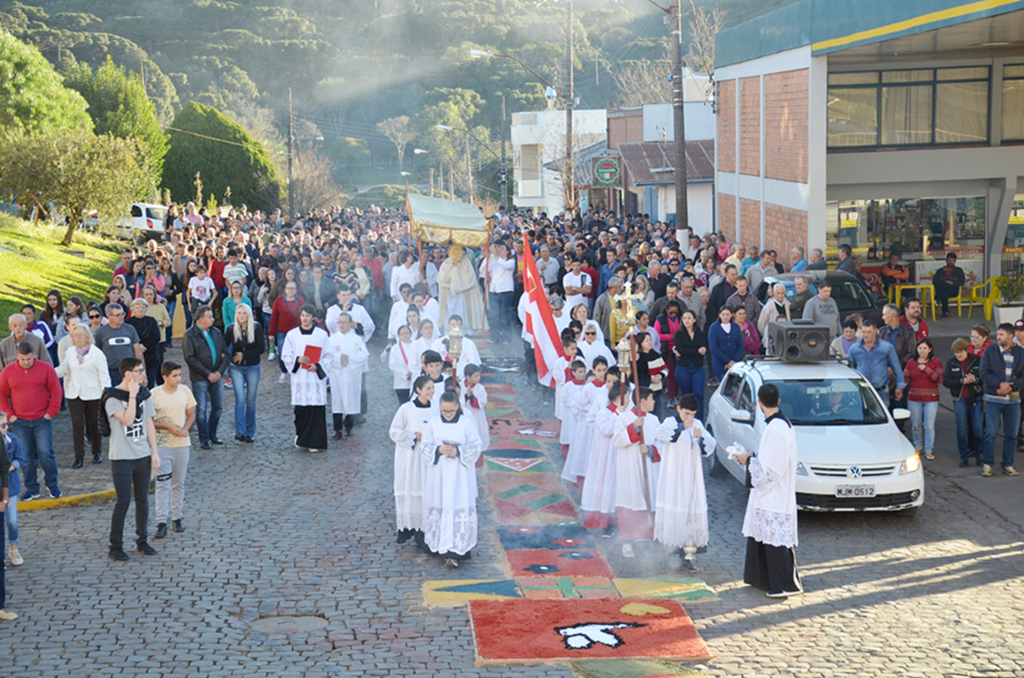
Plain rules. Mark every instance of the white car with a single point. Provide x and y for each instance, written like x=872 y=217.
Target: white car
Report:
x=146 y=222
x=851 y=455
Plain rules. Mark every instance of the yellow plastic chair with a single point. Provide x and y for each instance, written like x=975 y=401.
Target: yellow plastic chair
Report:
x=987 y=300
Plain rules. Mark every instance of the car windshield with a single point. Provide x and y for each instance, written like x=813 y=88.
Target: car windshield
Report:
x=157 y=213
x=829 y=402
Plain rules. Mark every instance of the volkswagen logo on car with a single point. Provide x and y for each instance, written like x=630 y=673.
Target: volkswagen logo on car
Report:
x=853 y=472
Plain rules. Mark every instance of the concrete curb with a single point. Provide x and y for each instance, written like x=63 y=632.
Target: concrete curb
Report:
x=74 y=500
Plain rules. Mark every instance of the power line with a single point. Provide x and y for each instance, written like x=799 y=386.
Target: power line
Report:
x=203 y=136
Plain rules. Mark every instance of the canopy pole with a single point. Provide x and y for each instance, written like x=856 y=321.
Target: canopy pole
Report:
x=487 y=275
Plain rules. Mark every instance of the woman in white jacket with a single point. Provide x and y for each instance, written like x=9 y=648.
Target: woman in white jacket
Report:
x=84 y=370
x=776 y=307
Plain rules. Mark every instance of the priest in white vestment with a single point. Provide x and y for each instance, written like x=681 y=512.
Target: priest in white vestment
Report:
x=459 y=291
x=770 y=521
x=308 y=379
x=450 y=448
x=406 y=431
x=348 y=358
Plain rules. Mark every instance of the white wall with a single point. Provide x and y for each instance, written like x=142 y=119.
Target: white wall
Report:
x=699 y=119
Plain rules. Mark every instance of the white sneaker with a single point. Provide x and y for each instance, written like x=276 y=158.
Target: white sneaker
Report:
x=627 y=551
x=16 y=558
x=283 y=378
x=785 y=594
x=7 y=616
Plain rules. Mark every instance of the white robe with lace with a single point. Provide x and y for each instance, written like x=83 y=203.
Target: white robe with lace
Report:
x=347 y=380
x=307 y=387
x=409 y=467
x=681 y=505
x=771 y=507
x=449 y=485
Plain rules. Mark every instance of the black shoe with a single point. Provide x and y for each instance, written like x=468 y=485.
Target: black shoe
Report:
x=97 y=459
x=248 y=439
x=118 y=554
x=161 y=531
x=239 y=437
x=337 y=435
x=348 y=432
x=216 y=441
x=965 y=462
x=179 y=526
x=204 y=446
x=145 y=549
x=77 y=464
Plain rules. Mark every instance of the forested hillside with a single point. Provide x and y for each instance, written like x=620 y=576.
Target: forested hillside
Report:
x=354 y=63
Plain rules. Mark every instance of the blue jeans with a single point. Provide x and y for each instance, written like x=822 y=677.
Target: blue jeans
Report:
x=501 y=315
x=280 y=345
x=36 y=438
x=245 y=381
x=3 y=555
x=1010 y=413
x=171 y=306
x=922 y=414
x=11 y=518
x=212 y=394
x=964 y=410
x=691 y=382
x=266 y=327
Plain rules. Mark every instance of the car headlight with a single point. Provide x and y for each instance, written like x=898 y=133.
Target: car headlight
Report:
x=800 y=470
x=910 y=464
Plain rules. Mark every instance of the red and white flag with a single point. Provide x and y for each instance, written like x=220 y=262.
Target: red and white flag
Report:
x=540 y=323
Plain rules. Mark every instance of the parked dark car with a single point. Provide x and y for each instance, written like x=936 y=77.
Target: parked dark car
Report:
x=851 y=294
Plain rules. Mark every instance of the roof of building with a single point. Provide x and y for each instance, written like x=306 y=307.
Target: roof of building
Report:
x=833 y=25
x=652 y=163
x=583 y=166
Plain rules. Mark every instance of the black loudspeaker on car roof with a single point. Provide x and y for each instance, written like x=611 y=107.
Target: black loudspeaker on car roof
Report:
x=799 y=341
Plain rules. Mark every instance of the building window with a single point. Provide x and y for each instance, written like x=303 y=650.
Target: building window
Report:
x=909 y=108
x=1013 y=102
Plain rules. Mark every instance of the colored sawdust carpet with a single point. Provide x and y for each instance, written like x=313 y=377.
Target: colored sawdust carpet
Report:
x=681 y=588
x=630 y=668
x=556 y=537
x=527 y=500
x=563 y=563
x=527 y=631
x=556 y=588
x=457 y=592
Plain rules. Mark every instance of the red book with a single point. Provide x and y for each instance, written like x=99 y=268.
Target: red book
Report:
x=313 y=353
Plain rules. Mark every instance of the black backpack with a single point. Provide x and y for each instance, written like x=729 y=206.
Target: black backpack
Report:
x=118 y=394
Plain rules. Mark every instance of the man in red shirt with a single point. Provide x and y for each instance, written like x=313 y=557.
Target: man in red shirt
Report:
x=30 y=396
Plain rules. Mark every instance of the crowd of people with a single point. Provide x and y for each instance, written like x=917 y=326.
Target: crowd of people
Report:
x=304 y=296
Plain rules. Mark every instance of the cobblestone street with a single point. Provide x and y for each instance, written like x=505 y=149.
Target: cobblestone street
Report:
x=272 y=531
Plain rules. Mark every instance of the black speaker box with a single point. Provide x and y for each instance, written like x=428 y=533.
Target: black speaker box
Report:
x=799 y=341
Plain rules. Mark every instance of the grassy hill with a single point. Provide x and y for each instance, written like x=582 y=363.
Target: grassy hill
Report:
x=33 y=262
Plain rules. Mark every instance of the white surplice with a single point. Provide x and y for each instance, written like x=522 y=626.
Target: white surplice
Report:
x=771 y=507
x=570 y=390
x=475 y=408
x=587 y=352
x=469 y=354
x=681 y=506
x=359 y=316
x=410 y=419
x=630 y=461
x=404 y=364
x=307 y=387
x=397 y=318
x=599 y=489
x=584 y=412
x=347 y=380
x=449 y=485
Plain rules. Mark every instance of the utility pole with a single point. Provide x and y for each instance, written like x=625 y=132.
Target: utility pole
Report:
x=431 y=182
x=678 y=93
x=570 y=165
x=504 y=163
x=469 y=171
x=291 y=141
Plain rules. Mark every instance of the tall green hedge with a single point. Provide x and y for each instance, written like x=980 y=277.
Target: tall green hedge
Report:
x=225 y=155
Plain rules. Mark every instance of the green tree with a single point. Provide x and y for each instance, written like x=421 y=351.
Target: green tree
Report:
x=75 y=170
x=32 y=96
x=118 y=105
x=205 y=141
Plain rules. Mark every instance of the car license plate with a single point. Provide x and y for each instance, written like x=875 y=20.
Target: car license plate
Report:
x=855 y=490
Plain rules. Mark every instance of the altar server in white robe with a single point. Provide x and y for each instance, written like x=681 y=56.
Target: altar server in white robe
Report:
x=404 y=364
x=474 y=395
x=348 y=357
x=560 y=374
x=361 y=321
x=598 y=494
x=681 y=505
x=578 y=455
x=432 y=368
x=450 y=449
x=397 y=317
x=406 y=431
x=576 y=372
x=469 y=355
x=309 y=380
x=634 y=439
x=770 y=521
